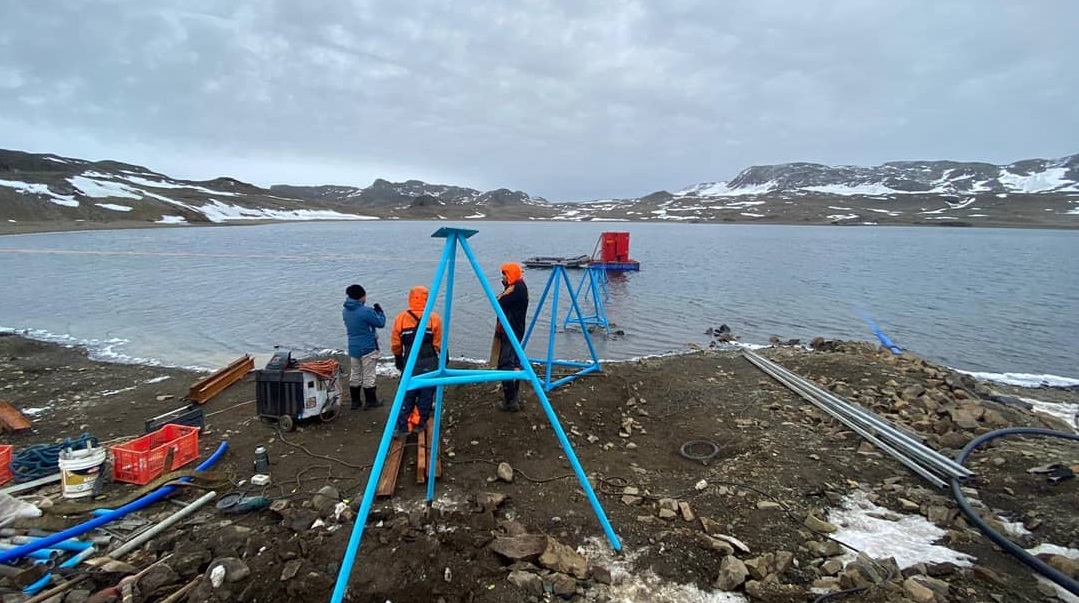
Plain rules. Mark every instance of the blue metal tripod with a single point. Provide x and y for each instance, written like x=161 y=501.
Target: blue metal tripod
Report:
x=596 y=280
x=440 y=378
x=555 y=281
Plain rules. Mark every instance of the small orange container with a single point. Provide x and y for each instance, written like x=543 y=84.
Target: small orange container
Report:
x=5 y=464
x=143 y=459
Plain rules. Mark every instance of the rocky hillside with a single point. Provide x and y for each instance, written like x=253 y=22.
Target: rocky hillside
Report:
x=49 y=191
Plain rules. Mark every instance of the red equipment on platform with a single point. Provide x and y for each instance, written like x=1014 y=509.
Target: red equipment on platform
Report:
x=612 y=252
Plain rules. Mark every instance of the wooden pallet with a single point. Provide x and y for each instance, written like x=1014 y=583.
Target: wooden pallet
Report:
x=11 y=419
x=422 y=454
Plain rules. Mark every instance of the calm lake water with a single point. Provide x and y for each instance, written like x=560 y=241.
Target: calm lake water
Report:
x=994 y=300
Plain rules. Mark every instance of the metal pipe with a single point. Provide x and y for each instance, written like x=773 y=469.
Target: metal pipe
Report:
x=916 y=448
x=162 y=525
x=897 y=455
x=71 y=544
x=41 y=481
x=836 y=409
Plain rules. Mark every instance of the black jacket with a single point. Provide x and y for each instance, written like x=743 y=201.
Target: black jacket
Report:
x=514 y=302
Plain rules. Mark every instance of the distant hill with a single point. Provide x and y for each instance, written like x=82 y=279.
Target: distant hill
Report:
x=47 y=189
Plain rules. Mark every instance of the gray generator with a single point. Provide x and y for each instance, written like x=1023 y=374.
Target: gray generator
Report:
x=286 y=393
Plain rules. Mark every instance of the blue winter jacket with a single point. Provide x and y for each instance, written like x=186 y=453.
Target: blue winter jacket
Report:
x=361 y=322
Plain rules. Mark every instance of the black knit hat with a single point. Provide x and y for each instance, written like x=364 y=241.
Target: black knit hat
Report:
x=355 y=292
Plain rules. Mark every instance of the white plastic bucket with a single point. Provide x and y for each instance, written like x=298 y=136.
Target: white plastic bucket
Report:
x=80 y=470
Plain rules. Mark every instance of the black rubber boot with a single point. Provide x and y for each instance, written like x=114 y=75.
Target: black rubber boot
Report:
x=370 y=395
x=355 y=393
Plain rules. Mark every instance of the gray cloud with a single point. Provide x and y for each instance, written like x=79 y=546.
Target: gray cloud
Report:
x=568 y=100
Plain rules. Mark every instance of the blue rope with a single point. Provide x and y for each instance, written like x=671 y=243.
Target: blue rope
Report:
x=41 y=460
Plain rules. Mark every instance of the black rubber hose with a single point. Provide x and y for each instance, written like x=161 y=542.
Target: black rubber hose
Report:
x=1043 y=568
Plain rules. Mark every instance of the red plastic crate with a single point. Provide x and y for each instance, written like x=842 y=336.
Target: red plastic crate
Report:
x=5 y=464
x=143 y=459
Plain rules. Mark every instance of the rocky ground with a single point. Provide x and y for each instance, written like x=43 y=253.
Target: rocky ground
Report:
x=750 y=523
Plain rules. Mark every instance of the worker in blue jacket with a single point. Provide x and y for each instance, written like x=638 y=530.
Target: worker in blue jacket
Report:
x=361 y=322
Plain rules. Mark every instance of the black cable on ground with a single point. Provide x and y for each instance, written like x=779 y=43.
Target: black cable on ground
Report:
x=1039 y=566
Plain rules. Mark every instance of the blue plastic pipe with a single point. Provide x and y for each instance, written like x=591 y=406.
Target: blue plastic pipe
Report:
x=45 y=580
x=884 y=339
x=76 y=531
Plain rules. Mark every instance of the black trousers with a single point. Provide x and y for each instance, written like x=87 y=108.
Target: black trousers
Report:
x=508 y=361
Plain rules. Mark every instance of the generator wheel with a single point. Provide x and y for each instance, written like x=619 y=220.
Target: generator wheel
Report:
x=285 y=422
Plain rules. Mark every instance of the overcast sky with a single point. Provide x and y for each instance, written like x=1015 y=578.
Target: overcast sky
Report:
x=574 y=99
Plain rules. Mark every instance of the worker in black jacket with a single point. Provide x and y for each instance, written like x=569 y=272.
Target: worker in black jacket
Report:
x=514 y=303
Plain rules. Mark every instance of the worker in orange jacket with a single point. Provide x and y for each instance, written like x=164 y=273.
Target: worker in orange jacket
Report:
x=403 y=336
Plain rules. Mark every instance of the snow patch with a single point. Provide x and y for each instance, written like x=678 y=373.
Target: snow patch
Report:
x=216 y=211
x=1053 y=549
x=909 y=540
x=172 y=220
x=113 y=206
x=1038 y=182
x=100 y=189
x=162 y=184
x=632 y=585
x=854 y=189
x=24 y=188
x=1025 y=379
x=1069 y=413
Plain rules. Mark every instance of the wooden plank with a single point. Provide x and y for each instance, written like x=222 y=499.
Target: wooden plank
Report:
x=11 y=419
x=422 y=454
x=387 y=482
x=421 y=457
x=209 y=387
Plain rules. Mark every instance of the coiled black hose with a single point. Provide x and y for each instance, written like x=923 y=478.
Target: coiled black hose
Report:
x=1043 y=568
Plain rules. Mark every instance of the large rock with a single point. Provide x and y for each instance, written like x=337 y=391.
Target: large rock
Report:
x=1065 y=565
x=732 y=573
x=228 y=540
x=819 y=525
x=759 y=567
x=189 y=557
x=561 y=585
x=918 y=591
x=505 y=472
x=525 y=546
x=324 y=500
x=231 y=569
x=156 y=579
x=291 y=568
x=561 y=558
x=526 y=581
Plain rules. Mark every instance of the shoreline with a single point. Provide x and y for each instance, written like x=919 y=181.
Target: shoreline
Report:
x=94 y=351
x=26 y=228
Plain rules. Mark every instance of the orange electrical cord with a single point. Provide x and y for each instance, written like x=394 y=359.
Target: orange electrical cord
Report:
x=327 y=369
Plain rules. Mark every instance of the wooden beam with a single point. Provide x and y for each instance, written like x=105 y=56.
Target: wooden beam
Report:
x=423 y=452
x=387 y=482
x=207 y=388
x=11 y=419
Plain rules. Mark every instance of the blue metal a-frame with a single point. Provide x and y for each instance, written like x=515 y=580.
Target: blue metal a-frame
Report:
x=440 y=378
x=596 y=279
x=556 y=280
